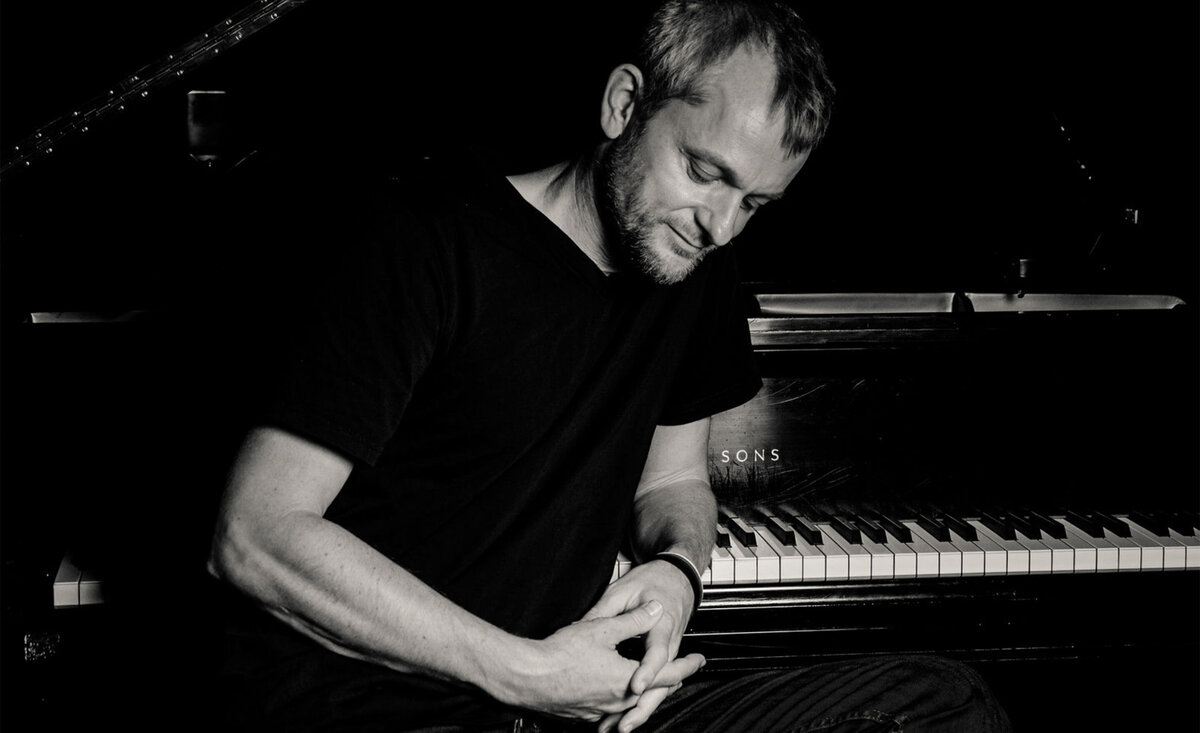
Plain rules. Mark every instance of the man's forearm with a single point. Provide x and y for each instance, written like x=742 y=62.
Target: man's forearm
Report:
x=273 y=543
x=326 y=583
x=680 y=517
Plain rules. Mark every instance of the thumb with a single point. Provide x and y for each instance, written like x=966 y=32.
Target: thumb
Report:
x=633 y=622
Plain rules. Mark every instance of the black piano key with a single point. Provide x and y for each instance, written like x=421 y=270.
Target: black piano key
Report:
x=1154 y=522
x=931 y=525
x=723 y=537
x=802 y=524
x=783 y=532
x=775 y=524
x=893 y=527
x=1113 y=524
x=1050 y=526
x=964 y=530
x=1085 y=522
x=811 y=513
x=851 y=535
x=806 y=529
x=737 y=527
x=998 y=523
x=1181 y=522
x=1023 y=525
x=873 y=531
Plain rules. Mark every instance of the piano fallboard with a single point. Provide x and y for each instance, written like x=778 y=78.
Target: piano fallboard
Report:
x=998 y=619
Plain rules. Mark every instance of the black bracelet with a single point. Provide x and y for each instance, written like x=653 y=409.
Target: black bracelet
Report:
x=688 y=569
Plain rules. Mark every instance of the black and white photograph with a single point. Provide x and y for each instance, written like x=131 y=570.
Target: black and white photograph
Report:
x=743 y=366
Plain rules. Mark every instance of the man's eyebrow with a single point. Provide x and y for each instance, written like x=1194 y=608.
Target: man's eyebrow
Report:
x=729 y=175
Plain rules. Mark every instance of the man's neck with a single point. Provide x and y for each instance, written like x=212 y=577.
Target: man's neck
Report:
x=566 y=194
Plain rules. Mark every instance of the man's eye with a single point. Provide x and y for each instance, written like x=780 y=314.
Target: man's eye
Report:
x=699 y=175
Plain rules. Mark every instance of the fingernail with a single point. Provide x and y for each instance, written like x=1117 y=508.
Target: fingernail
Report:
x=654 y=608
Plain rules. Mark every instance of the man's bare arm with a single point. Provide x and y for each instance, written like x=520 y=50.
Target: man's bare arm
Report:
x=674 y=511
x=274 y=544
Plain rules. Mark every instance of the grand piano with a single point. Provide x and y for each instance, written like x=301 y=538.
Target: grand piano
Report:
x=975 y=322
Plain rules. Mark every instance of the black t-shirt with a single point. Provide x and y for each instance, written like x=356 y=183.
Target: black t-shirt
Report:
x=498 y=393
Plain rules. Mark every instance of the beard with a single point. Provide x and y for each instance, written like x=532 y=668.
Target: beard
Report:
x=642 y=241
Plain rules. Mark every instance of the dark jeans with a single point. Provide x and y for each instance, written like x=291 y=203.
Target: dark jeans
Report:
x=893 y=694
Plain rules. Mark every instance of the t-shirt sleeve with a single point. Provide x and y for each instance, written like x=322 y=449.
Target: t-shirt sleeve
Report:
x=719 y=371
x=377 y=326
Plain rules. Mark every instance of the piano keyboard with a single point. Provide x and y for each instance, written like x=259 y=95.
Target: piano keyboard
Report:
x=781 y=544
x=777 y=545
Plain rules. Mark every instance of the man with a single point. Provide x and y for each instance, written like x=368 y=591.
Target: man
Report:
x=519 y=380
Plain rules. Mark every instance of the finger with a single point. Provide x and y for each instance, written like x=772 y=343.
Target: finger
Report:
x=632 y=623
x=677 y=671
x=662 y=644
x=609 y=723
x=647 y=704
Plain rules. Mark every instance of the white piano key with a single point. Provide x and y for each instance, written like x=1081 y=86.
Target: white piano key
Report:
x=1107 y=555
x=791 y=562
x=721 y=567
x=1191 y=548
x=904 y=557
x=858 y=558
x=928 y=562
x=1041 y=559
x=883 y=561
x=837 y=560
x=816 y=563
x=1175 y=551
x=972 y=556
x=1158 y=553
x=91 y=589
x=1086 y=553
x=1062 y=555
x=745 y=563
x=949 y=556
x=1016 y=555
x=768 y=559
x=995 y=557
x=624 y=564
x=66 y=584
x=1129 y=554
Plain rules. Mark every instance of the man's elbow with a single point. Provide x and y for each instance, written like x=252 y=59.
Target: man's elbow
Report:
x=230 y=557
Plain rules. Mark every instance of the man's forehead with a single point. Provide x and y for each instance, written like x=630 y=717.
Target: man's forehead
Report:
x=735 y=120
x=748 y=72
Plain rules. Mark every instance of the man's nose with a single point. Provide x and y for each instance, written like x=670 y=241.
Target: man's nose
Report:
x=720 y=217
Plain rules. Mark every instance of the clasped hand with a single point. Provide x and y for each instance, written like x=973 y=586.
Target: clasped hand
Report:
x=578 y=672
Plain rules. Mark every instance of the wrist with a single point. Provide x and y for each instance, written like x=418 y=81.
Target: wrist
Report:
x=684 y=565
x=501 y=671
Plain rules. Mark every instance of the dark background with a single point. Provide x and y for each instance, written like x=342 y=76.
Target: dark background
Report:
x=946 y=159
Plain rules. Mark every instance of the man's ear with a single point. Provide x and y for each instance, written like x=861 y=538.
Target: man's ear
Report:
x=620 y=95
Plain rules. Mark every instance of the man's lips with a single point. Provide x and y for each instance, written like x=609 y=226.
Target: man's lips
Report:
x=685 y=239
